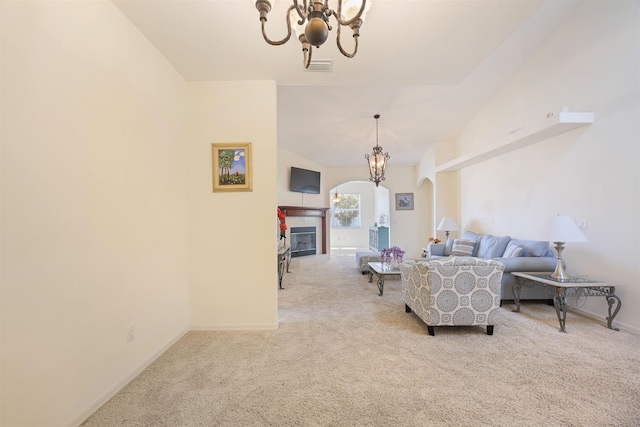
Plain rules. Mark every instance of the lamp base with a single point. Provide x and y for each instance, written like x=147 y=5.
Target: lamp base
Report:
x=559 y=274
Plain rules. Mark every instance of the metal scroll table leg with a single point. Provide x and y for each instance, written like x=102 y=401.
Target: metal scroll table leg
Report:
x=280 y=272
x=517 y=285
x=610 y=300
x=560 y=303
x=381 y=285
x=288 y=259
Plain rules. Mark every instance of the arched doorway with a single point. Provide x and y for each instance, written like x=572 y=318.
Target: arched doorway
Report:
x=347 y=235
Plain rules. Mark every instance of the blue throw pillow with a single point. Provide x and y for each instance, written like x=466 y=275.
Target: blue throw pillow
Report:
x=512 y=251
x=491 y=246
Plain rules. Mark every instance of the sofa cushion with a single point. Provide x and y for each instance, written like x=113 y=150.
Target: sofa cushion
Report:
x=491 y=246
x=512 y=251
x=532 y=247
x=462 y=247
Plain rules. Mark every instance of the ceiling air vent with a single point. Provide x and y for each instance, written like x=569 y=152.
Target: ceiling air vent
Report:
x=321 y=65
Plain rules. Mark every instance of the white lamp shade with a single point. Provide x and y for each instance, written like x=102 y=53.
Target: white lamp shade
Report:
x=447 y=224
x=561 y=228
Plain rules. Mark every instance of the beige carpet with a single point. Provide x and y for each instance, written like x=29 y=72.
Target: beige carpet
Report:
x=344 y=356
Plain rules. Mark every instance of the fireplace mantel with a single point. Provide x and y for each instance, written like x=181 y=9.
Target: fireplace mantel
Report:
x=310 y=212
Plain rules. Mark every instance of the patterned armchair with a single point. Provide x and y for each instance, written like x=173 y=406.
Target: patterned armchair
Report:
x=454 y=291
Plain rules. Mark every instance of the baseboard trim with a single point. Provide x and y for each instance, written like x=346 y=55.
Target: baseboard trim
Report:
x=108 y=394
x=616 y=323
x=591 y=315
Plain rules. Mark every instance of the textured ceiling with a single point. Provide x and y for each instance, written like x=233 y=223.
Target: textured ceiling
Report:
x=426 y=66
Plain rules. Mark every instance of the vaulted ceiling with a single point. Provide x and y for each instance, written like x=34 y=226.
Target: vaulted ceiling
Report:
x=426 y=66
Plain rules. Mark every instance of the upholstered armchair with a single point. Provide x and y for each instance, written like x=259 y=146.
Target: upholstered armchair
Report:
x=458 y=291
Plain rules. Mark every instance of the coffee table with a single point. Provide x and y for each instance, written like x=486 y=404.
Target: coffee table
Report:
x=382 y=272
x=574 y=286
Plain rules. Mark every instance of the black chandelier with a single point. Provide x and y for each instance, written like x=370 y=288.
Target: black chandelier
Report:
x=377 y=160
x=316 y=15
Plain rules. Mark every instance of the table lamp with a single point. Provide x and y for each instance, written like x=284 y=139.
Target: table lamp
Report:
x=447 y=224
x=561 y=229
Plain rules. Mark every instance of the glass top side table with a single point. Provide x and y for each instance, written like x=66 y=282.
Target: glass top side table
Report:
x=575 y=285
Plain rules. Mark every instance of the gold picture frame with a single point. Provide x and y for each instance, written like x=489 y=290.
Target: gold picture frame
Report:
x=231 y=166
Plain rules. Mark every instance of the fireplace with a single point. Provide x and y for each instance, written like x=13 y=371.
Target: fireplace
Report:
x=303 y=241
x=304 y=211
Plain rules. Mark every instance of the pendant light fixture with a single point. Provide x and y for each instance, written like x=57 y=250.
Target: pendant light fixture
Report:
x=310 y=22
x=336 y=198
x=377 y=160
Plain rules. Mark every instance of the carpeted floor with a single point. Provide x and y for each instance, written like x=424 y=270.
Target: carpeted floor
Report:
x=344 y=356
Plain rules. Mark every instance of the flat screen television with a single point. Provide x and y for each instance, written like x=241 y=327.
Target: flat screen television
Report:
x=304 y=181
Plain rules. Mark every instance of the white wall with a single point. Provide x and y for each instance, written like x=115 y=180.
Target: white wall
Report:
x=383 y=205
x=232 y=239
x=286 y=159
x=94 y=221
x=590 y=64
x=409 y=229
x=444 y=198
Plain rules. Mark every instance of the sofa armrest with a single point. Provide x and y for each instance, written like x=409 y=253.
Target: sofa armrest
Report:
x=528 y=263
x=435 y=249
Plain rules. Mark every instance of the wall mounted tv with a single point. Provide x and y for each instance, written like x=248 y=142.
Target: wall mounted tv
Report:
x=304 y=181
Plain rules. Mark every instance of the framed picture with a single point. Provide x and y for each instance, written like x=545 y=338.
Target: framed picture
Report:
x=404 y=201
x=231 y=166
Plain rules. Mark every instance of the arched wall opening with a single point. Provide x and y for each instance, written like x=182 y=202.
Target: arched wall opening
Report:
x=375 y=208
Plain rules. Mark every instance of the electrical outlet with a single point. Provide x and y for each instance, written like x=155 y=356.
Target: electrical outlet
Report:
x=131 y=333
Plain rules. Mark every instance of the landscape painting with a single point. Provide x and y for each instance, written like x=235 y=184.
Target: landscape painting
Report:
x=231 y=166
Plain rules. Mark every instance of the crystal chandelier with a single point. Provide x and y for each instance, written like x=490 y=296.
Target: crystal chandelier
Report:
x=377 y=160
x=315 y=14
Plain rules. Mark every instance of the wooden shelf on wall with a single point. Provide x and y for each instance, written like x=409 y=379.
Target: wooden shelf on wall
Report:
x=555 y=124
